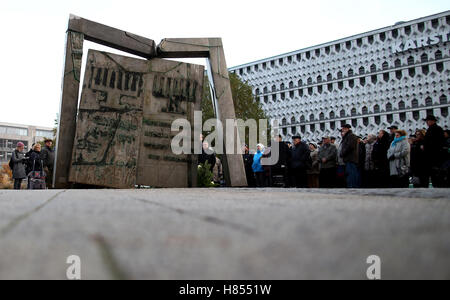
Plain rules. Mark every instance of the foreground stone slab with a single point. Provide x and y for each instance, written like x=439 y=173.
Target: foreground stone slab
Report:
x=225 y=233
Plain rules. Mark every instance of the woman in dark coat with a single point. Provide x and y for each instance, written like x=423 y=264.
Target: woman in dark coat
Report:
x=35 y=160
x=19 y=165
x=419 y=167
x=381 y=163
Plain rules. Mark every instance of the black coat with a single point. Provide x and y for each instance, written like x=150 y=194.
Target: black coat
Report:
x=434 y=144
x=301 y=157
x=35 y=161
x=48 y=156
x=350 y=149
x=284 y=155
x=210 y=158
x=418 y=160
x=379 y=153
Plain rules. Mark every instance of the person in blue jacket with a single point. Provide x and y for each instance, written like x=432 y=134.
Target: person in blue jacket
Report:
x=257 y=167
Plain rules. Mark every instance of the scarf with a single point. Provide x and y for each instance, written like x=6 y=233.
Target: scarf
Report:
x=397 y=140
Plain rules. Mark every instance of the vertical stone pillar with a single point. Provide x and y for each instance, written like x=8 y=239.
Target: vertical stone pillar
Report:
x=68 y=109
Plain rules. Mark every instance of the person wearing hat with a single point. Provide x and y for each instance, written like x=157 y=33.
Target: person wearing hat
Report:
x=48 y=157
x=300 y=162
x=327 y=157
x=350 y=155
x=392 y=131
x=433 y=146
x=18 y=161
x=314 y=172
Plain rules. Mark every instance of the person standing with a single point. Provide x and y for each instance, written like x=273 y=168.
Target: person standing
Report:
x=35 y=160
x=369 y=165
x=314 y=172
x=380 y=160
x=19 y=160
x=399 y=160
x=281 y=167
x=349 y=153
x=433 y=145
x=392 y=131
x=207 y=156
x=258 y=169
x=48 y=157
x=300 y=162
x=327 y=156
x=419 y=168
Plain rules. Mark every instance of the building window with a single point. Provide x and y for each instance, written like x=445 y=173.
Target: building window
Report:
x=319 y=79
x=282 y=87
x=308 y=55
x=327 y=50
x=310 y=91
x=274 y=88
x=293 y=121
x=337 y=48
x=300 y=82
x=312 y=127
x=302 y=119
x=342 y=113
x=322 y=116
x=398 y=74
x=340 y=75
x=401 y=105
x=412 y=72
x=272 y=64
x=355 y=123
x=350 y=72
x=274 y=97
x=443 y=99
x=280 y=61
x=330 y=87
x=365 y=110
x=15 y=131
x=374 y=79
x=410 y=60
x=351 y=83
x=359 y=42
x=333 y=125
x=398 y=63
x=376 y=109
x=440 y=67
x=317 y=52
x=348 y=45
x=283 y=96
x=329 y=77
x=386 y=77
x=322 y=126
x=353 y=112
x=362 y=71
x=421 y=27
x=311 y=118
x=415 y=103
x=291 y=85
x=425 y=70
x=378 y=120
x=299 y=57
x=373 y=68
x=408 y=30
x=382 y=36
x=294 y=130
x=291 y=94
x=266 y=99
x=340 y=85
x=395 y=33
x=290 y=59
x=366 y=121
x=310 y=81
x=390 y=118
x=320 y=89
x=362 y=81
x=429 y=102
x=343 y=123
x=332 y=115
x=435 y=23
x=424 y=58
x=388 y=107
x=444 y=112
x=438 y=55
x=303 y=128
x=370 y=39
x=385 y=65
x=403 y=117
x=430 y=112
x=300 y=92
x=284 y=131
x=416 y=115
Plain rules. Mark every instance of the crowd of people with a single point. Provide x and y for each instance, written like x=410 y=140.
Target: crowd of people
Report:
x=38 y=158
x=386 y=160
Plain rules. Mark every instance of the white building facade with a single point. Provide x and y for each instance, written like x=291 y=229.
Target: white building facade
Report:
x=392 y=76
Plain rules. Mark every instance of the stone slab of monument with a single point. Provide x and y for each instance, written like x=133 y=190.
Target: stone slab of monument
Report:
x=124 y=135
x=212 y=48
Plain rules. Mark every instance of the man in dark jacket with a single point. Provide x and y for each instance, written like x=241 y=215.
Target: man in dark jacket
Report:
x=300 y=162
x=392 y=131
x=433 y=145
x=327 y=158
x=350 y=155
x=48 y=157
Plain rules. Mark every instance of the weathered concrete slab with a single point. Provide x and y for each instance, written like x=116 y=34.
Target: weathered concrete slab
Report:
x=226 y=234
x=124 y=123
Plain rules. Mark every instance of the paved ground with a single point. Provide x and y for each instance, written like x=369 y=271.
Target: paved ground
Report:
x=225 y=233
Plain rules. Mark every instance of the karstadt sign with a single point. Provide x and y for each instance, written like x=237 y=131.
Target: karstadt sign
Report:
x=420 y=42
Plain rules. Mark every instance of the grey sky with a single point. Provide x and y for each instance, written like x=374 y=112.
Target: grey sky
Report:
x=33 y=33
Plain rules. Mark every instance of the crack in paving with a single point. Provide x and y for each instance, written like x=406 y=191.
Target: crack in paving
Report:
x=208 y=219
x=109 y=260
x=11 y=225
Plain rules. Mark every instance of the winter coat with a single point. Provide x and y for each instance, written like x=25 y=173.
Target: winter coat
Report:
x=301 y=157
x=329 y=152
x=399 y=158
x=350 y=148
x=418 y=160
x=256 y=166
x=19 y=161
x=369 y=162
x=209 y=158
x=379 y=153
x=315 y=169
x=434 y=144
x=36 y=161
x=284 y=155
x=48 y=157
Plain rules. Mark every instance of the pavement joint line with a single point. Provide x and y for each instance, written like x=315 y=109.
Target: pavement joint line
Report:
x=11 y=225
x=208 y=219
x=109 y=260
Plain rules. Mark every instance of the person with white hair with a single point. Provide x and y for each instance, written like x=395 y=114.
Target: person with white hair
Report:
x=257 y=167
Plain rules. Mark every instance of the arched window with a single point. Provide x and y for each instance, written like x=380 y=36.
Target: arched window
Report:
x=365 y=110
x=362 y=81
x=435 y=23
x=274 y=88
x=421 y=27
x=408 y=30
x=429 y=102
x=440 y=67
x=395 y=33
x=311 y=118
x=266 y=90
x=284 y=122
x=410 y=60
x=425 y=70
x=329 y=77
x=322 y=116
x=332 y=115
x=373 y=68
x=257 y=92
x=362 y=71
x=300 y=92
x=351 y=83
x=310 y=81
x=403 y=117
x=382 y=36
x=401 y=105
x=398 y=63
x=386 y=77
x=330 y=87
x=385 y=65
x=293 y=121
x=282 y=87
x=424 y=57
x=415 y=103
x=342 y=113
x=291 y=85
x=319 y=79
x=388 y=106
x=340 y=75
x=350 y=72
x=398 y=74
x=376 y=108
x=443 y=99
x=302 y=119
x=374 y=79
x=300 y=82
x=412 y=72
x=353 y=112
x=438 y=55
x=416 y=115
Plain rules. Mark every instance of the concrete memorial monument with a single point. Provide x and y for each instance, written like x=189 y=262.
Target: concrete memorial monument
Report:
x=120 y=135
